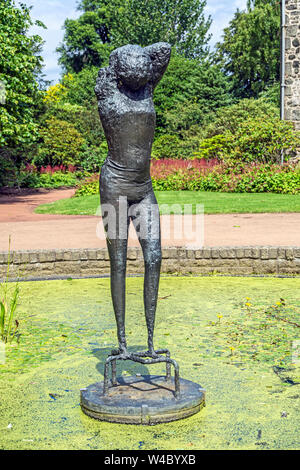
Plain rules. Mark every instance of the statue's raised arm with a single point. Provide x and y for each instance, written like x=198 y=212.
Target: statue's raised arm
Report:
x=160 y=54
x=149 y=69
x=106 y=83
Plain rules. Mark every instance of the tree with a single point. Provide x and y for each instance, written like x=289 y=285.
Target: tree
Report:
x=84 y=43
x=80 y=87
x=74 y=100
x=251 y=4
x=188 y=91
x=107 y=24
x=20 y=65
x=250 y=51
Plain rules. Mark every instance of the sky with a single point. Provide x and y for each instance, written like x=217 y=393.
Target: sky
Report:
x=54 y=12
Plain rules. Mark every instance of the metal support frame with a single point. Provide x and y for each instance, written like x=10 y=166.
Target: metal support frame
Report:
x=140 y=357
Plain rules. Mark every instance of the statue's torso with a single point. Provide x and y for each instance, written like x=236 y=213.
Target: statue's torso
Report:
x=129 y=126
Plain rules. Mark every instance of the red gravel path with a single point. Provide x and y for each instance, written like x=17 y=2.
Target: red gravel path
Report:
x=20 y=206
x=41 y=231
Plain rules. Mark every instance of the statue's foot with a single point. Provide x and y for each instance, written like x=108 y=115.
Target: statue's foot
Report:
x=152 y=353
x=123 y=351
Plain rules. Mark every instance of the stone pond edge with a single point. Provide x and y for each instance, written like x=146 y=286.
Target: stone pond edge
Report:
x=88 y=262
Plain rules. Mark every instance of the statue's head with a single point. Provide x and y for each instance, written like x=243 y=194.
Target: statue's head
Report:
x=132 y=65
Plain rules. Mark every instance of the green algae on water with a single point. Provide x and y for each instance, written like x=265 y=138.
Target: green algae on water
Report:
x=68 y=329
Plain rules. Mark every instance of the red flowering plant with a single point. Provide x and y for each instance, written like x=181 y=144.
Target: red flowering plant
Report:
x=48 y=176
x=212 y=175
x=226 y=177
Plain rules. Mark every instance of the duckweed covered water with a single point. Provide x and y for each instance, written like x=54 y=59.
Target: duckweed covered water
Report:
x=68 y=329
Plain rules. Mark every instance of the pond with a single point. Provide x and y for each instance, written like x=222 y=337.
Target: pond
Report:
x=232 y=335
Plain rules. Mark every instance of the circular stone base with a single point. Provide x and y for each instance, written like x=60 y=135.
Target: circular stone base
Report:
x=147 y=399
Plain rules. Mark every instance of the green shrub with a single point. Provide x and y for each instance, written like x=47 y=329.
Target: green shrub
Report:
x=246 y=131
x=8 y=169
x=88 y=186
x=9 y=299
x=47 y=180
x=189 y=143
x=260 y=139
x=79 y=87
x=61 y=144
x=219 y=147
x=26 y=179
x=166 y=146
x=272 y=94
x=183 y=115
x=57 y=180
x=230 y=118
x=85 y=119
x=74 y=101
x=92 y=158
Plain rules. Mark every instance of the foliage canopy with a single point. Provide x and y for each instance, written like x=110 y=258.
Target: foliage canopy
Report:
x=107 y=24
x=20 y=64
x=249 y=51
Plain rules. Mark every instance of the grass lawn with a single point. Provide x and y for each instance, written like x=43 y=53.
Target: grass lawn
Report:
x=214 y=203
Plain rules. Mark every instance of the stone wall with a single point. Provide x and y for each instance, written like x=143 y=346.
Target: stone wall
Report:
x=292 y=62
x=94 y=262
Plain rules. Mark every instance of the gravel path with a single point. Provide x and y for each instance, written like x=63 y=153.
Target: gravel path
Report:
x=41 y=231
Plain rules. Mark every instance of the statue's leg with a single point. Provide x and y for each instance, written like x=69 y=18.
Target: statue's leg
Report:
x=116 y=228
x=145 y=217
x=118 y=255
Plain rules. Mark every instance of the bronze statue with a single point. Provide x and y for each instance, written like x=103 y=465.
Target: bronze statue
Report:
x=125 y=98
